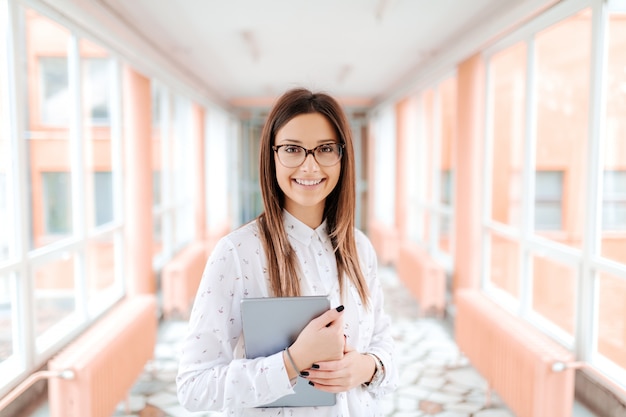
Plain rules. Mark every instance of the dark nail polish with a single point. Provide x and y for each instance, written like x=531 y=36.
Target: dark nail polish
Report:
x=315 y=366
x=304 y=373
x=340 y=308
x=311 y=383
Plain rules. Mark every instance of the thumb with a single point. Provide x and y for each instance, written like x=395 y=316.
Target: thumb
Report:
x=330 y=316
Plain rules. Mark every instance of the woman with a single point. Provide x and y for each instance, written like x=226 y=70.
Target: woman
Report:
x=304 y=243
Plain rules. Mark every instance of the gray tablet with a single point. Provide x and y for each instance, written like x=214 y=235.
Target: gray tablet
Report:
x=270 y=325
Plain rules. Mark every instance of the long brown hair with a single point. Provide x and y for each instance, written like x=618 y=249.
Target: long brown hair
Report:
x=339 y=210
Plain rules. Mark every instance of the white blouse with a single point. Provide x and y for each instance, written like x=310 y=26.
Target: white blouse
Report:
x=213 y=372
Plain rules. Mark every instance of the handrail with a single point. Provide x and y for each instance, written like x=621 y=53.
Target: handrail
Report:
x=17 y=391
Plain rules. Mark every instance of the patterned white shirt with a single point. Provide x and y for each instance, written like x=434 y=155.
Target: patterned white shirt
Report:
x=214 y=373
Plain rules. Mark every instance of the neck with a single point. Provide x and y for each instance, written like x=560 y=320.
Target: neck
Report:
x=310 y=216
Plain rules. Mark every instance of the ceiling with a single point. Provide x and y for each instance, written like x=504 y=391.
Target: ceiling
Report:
x=247 y=50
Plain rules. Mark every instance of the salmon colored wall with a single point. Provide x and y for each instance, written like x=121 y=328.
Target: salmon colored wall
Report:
x=137 y=116
x=468 y=157
x=49 y=145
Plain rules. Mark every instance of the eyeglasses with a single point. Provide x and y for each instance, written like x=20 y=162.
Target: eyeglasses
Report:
x=292 y=156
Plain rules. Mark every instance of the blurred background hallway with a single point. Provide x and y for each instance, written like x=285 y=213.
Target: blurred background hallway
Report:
x=491 y=180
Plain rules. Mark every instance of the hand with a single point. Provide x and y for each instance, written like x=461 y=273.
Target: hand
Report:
x=352 y=370
x=321 y=340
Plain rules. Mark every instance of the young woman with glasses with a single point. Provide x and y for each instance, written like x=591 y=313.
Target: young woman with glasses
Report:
x=304 y=243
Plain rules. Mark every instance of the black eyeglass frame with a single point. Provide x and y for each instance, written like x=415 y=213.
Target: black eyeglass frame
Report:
x=308 y=152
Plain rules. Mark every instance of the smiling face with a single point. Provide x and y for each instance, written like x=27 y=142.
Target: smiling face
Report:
x=306 y=187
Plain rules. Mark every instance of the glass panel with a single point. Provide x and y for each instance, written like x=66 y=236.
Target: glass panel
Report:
x=96 y=85
x=7 y=240
x=6 y=222
x=47 y=129
x=505 y=264
x=612 y=318
x=562 y=108
x=159 y=143
x=447 y=94
x=507 y=71
x=54 y=298
x=101 y=277
x=548 y=199
x=554 y=292
x=7 y=314
x=614 y=182
x=428 y=137
x=183 y=146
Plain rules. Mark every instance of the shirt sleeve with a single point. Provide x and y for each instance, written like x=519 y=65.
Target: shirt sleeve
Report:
x=382 y=343
x=210 y=376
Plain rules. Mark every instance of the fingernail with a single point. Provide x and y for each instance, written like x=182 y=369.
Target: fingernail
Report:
x=340 y=308
x=311 y=383
x=304 y=373
x=315 y=366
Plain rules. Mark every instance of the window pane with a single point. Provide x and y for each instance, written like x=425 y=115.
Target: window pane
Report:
x=54 y=299
x=55 y=92
x=505 y=264
x=103 y=284
x=159 y=149
x=7 y=223
x=7 y=313
x=183 y=172
x=554 y=292
x=47 y=129
x=614 y=182
x=447 y=94
x=56 y=199
x=612 y=318
x=103 y=198
x=97 y=82
x=428 y=143
x=562 y=76
x=548 y=200
x=507 y=71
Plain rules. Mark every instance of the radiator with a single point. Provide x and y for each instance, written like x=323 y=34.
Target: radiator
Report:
x=423 y=277
x=528 y=370
x=106 y=360
x=180 y=279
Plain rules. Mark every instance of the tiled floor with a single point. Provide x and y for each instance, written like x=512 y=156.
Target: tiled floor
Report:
x=435 y=379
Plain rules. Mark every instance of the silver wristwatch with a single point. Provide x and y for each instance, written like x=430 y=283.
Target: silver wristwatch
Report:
x=378 y=374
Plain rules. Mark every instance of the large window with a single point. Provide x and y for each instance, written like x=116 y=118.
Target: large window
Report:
x=60 y=222
x=555 y=228
x=431 y=170
x=172 y=173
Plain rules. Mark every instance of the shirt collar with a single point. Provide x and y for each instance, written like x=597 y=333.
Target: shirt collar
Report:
x=301 y=232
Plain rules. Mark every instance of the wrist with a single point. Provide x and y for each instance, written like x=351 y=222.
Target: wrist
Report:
x=297 y=359
x=379 y=372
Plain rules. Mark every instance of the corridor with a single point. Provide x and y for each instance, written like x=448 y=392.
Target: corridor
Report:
x=435 y=378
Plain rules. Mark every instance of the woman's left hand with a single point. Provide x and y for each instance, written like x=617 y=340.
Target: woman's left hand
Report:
x=343 y=374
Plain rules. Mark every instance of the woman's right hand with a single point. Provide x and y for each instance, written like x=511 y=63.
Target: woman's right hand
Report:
x=321 y=340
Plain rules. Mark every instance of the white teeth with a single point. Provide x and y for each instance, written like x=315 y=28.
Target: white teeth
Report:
x=308 y=182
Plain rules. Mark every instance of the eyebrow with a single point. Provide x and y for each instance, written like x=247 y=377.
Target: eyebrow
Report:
x=299 y=142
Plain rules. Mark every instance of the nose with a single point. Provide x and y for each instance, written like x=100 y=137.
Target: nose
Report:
x=309 y=164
